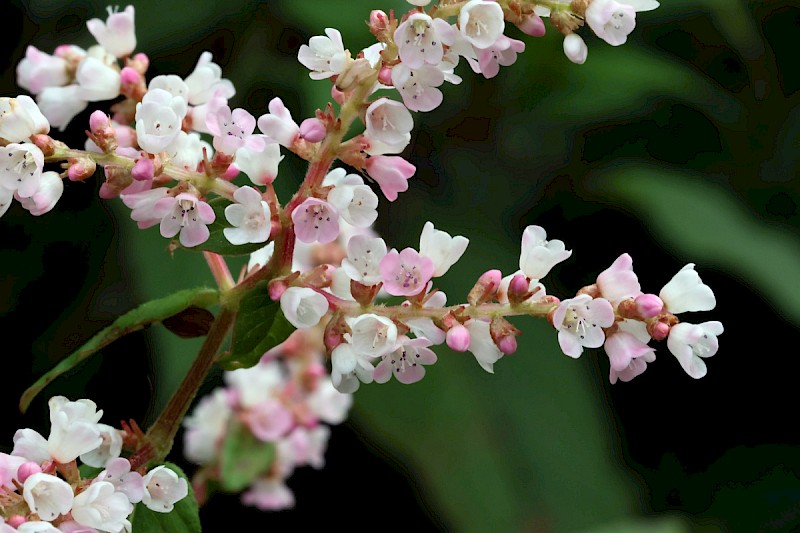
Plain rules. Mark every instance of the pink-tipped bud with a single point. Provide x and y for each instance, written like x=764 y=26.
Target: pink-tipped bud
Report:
x=102 y=133
x=16 y=520
x=378 y=22
x=532 y=25
x=140 y=62
x=458 y=338
x=45 y=143
x=129 y=76
x=143 y=169
x=276 y=289
x=485 y=288
x=230 y=173
x=334 y=332
x=81 y=169
x=659 y=330
x=99 y=122
x=312 y=130
x=519 y=289
x=507 y=345
x=649 y=305
x=337 y=95
x=26 y=470
x=504 y=335
x=385 y=76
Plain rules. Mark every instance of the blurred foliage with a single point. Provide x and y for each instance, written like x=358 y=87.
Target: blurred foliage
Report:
x=692 y=126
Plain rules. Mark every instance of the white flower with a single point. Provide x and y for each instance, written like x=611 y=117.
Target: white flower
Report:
x=109 y=449
x=372 y=335
x=6 y=196
x=575 y=49
x=256 y=384
x=117 y=34
x=206 y=426
x=356 y=202
x=186 y=214
x=20 y=118
x=206 y=80
x=250 y=217
x=417 y=86
x=278 y=124
x=100 y=506
x=47 y=495
x=580 y=322
x=330 y=405
x=261 y=166
x=612 y=21
x=423 y=326
x=186 y=151
x=158 y=120
x=21 y=168
x=61 y=104
x=39 y=526
x=389 y=122
x=482 y=345
x=163 y=489
x=171 y=83
x=324 y=56
x=686 y=292
x=303 y=307
x=97 y=81
x=539 y=255
x=689 y=342
x=49 y=191
x=364 y=255
x=420 y=38
x=39 y=70
x=441 y=248
x=30 y=445
x=143 y=206
x=481 y=22
x=74 y=429
x=261 y=256
x=349 y=368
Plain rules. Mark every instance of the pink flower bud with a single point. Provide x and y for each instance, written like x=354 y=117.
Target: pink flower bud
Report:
x=140 y=62
x=143 y=169
x=378 y=21
x=659 y=331
x=649 y=305
x=26 y=470
x=276 y=289
x=16 y=520
x=82 y=169
x=385 y=76
x=129 y=76
x=99 y=122
x=337 y=95
x=532 y=25
x=391 y=173
x=519 y=289
x=458 y=338
x=312 y=130
x=507 y=345
x=485 y=288
x=230 y=173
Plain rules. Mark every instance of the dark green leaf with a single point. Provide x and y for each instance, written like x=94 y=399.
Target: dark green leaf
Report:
x=184 y=518
x=89 y=472
x=134 y=320
x=260 y=326
x=244 y=458
x=217 y=242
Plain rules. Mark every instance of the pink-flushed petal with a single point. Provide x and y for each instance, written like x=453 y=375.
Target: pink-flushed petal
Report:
x=619 y=282
x=569 y=344
x=163 y=206
x=206 y=212
x=602 y=312
x=170 y=226
x=622 y=347
x=382 y=372
x=411 y=374
x=244 y=120
x=194 y=234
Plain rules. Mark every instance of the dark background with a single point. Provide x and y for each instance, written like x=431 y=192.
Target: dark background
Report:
x=680 y=146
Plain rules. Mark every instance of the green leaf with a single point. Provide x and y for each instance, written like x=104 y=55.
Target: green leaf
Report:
x=134 y=320
x=217 y=242
x=260 y=326
x=184 y=517
x=244 y=458
x=708 y=225
x=89 y=472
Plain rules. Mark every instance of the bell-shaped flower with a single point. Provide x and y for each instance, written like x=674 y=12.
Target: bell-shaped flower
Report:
x=30 y=445
x=364 y=255
x=539 y=255
x=619 y=282
x=349 y=368
x=117 y=34
x=420 y=38
x=97 y=81
x=316 y=220
x=303 y=307
x=102 y=507
x=580 y=322
x=73 y=428
x=306 y=447
x=143 y=205
x=330 y=405
x=406 y=362
x=158 y=120
x=260 y=165
x=687 y=292
x=406 y=273
x=250 y=217
x=39 y=70
x=21 y=168
x=186 y=151
x=61 y=104
x=20 y=118
x=110 y=447
x=502 y=53
x=613 y=21
x=356 y=202
x=278 y=124
x=391 y=173
x=171 y=83
x=9 y=466
x=371 y=335
x=206 y=426
x=323 y=56
x=48 y=193
x=206 y=80
x=622 y=347
x=388 y=121
x=423 y=327
x=163 y=489
x=575 y=49
x=482 y=345
x=269 y=495
x=481 y=22
x=441 y=248
x=418 y=87
x=689 y=343
x=118 y=473
x=269 y=420
x=233 y=130
x=48 y=496
x=256 y=384
x=186 y=214
x=636 y=367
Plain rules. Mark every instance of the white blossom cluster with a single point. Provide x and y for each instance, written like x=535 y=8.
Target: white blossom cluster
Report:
x=42 y=489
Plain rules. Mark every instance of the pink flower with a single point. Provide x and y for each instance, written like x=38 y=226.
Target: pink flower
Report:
x=579 y=322
x=186 y=214
x=618 y=282
x=636 y=367
x=622 y=347
x=269 y=420
x=405 y=273
x=406 y=362
x=391 y=173
x=502 y=53
x=233 y=130
x=316 y=221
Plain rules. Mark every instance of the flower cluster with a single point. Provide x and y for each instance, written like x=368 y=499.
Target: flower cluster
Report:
x=43 y=490
x=280 y=404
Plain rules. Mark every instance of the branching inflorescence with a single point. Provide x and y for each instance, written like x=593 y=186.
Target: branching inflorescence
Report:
x=319 y=283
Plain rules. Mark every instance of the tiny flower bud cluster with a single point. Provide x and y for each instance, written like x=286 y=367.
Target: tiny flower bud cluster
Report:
x=44 y=491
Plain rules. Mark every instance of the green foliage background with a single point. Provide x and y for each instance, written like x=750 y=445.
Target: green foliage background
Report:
x=680 y=146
